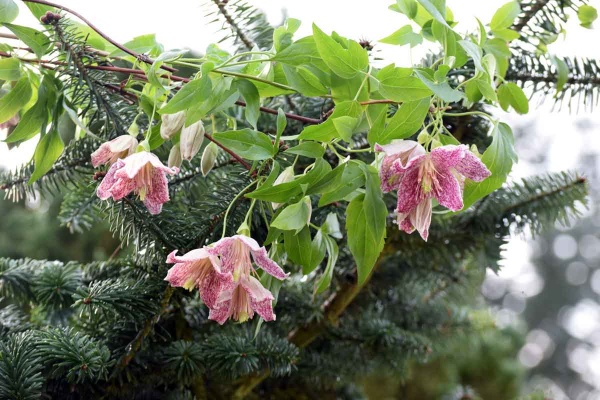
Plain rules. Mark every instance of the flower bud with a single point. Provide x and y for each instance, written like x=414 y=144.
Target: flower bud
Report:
x=109 y=152
x=423 y=137
x=191 y=140
x=286 y=176
x=175 y=157
x=171 y=124
x=209 y=158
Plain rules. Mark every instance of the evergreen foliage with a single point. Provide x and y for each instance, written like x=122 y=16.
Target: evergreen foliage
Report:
x=115 y=329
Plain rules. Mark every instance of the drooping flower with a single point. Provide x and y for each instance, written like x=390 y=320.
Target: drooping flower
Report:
x=142 y=173
x=110 y=152
x=247 y=295
x=199 y=269
x=419 y=177
x=401 y=151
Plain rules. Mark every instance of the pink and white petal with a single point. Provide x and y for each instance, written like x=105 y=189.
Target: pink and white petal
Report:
x=449 y=156
x=409 y=193
x=421 y=218
x=261 y=259
x=122 y=143
x=121 y=188
x=221 y=246
x=104 y=189
x=211 y=287
x=101 y=155
x=255 y=289
x=181 y=273
x=248 y=241
x=447 y=191
x=404 y=223
x=221 y=312
x=264 y=309
x=190 y=256
x=158 y=193
x=472 y=167
x=400 y=146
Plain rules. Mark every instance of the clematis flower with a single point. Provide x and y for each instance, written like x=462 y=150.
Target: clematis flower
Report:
x=247 y=295
x=401 y=151
x=142 y=173
x=419 y=177
x=198 y=269
x=110 y=152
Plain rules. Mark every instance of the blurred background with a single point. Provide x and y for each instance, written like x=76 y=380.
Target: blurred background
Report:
x=549 y=286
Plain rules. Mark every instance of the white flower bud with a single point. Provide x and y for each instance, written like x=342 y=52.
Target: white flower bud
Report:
x=171 y=124
x=209 y=157
x=286 y=176
x=175 y=157
x=191 y=140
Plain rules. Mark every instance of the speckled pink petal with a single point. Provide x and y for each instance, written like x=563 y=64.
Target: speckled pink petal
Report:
x=103 y=192
x=135 y=162
x=404 y=223
x=121 y=188
x=220 y=312
x=449 y=156
x=402 y=153
x=409 y=192
x=211 y=287
x=101 y=155
x=223 y=248
x=158 y=193
x=261 y=300
x=190 y=256
x=472 y=167
x=248 y=241
x=261 y=259
x=421 y=218
x=180 y=273
x=447 y=191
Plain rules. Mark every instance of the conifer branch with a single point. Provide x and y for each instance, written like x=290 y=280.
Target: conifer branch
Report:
x=238 y=31
x=529 y=13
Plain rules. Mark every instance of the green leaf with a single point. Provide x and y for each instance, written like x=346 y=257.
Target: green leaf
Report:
x=441 y=89
x=46 y=153
x=507 y=34
x=294 y=217
x=304 y=81
x=486 y=88
x=587 y=15
x=298 y=247
x=332 y=256
x=252 y=99
x=407 y=7
x=302 y=51
x=307 y=149
x=140 y=44
x=562 y=72
x=38 y=42
x=501 y=52
x=345 y=62
x=352 y=179
x=345 y=127
x=510 y=94
x=437 y=11
x=10 y=69
x=33 y=120
x=249 y=144
x=396 y=84
x=16 y=99
x=327 y=131
x=474 y=51
x=407 y=120
x=8 y=11
x=499 y=158
x=505 y=16
x=366 y=223
x=403 y=36
x=190 y=94
x=38 y=9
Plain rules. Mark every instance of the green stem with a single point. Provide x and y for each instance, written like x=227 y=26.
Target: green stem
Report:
x=235 y=199
x=255 y=78
x=247 y=53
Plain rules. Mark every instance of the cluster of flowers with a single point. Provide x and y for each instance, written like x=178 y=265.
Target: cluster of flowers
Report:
x=223 y=272
x=419 y=177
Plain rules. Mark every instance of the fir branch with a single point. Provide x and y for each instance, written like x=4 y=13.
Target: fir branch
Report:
x=233 y=24
x=20 y=368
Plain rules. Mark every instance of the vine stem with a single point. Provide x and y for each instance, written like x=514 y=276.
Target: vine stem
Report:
x=139 y=56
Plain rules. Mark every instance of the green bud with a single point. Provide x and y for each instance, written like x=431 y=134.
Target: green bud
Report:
x=175 y=157
x=423 y=137
x=209 y=158
x=286 y=176
x=171 y=124
x=191 y=140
